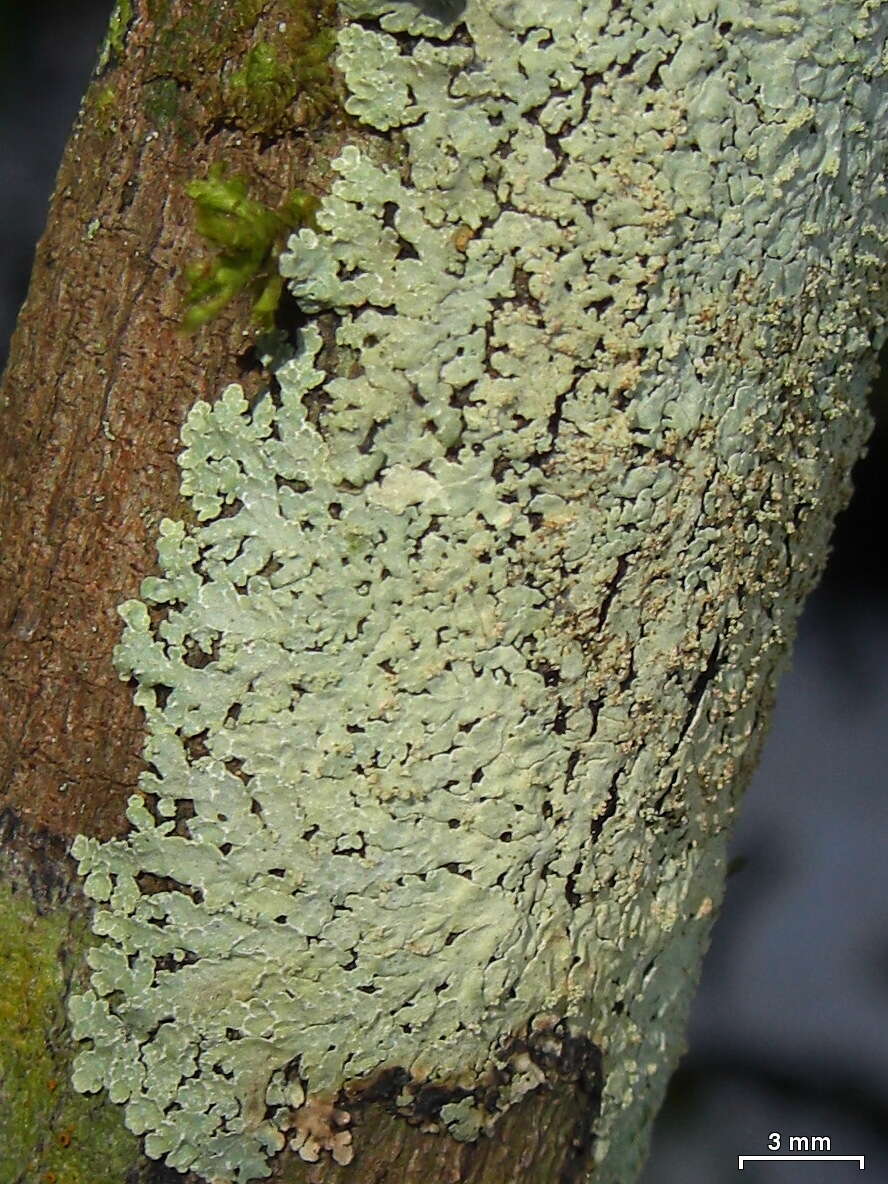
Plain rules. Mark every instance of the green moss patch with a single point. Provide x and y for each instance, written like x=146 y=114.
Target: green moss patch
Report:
x=263 y=68
x=49 y=1135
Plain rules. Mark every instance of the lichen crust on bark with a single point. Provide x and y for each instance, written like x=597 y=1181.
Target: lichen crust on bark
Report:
x=451 y=691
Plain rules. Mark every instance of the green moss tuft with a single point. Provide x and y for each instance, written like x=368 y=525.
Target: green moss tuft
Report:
x=248 y=238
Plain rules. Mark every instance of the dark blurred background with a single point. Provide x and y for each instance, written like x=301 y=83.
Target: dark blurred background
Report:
x=789 y=1029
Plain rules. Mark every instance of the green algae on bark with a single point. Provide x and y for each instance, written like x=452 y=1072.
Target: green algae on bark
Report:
x=48 y=1133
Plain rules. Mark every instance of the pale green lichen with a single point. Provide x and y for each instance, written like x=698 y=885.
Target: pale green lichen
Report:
x=451 y=690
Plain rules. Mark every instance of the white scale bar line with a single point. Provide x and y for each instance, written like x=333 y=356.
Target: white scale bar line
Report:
x=858 y=1159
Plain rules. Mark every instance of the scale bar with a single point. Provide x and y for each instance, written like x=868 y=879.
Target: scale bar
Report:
x=744 y=1159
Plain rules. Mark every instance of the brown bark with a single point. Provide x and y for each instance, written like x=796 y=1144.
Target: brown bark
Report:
x=545 y=1139
x=98 y=382
x=100 y=376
